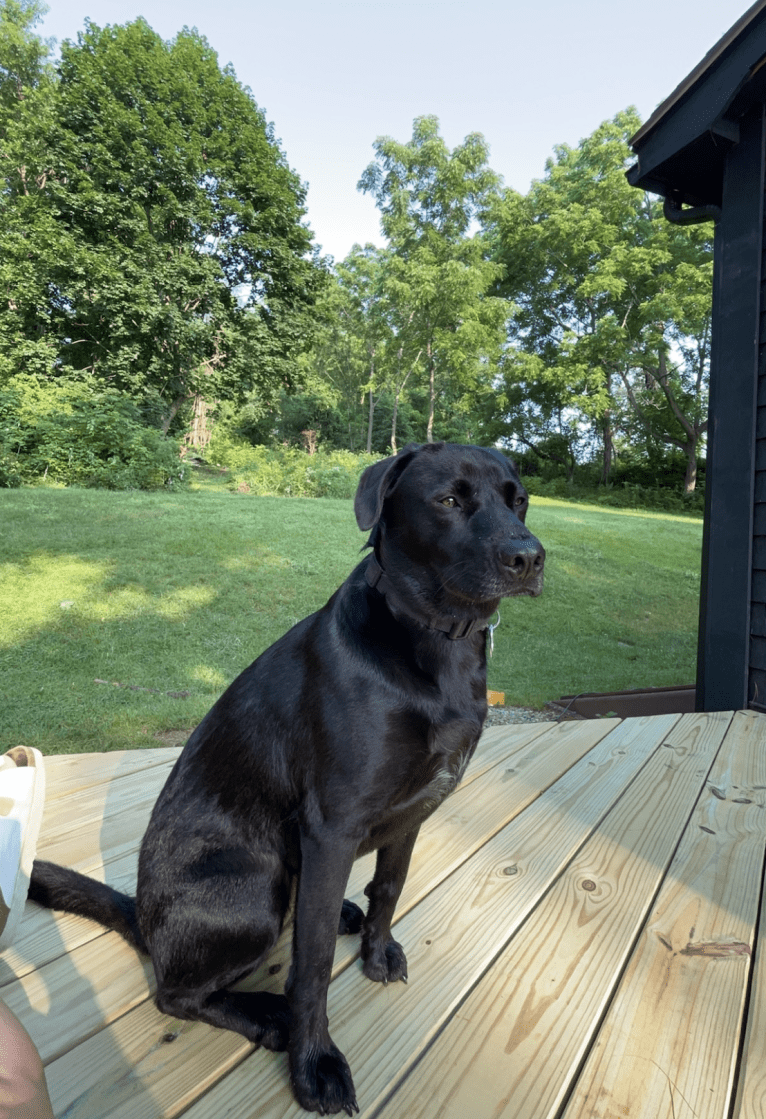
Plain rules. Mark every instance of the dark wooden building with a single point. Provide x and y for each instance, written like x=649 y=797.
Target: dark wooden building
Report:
x=704 y=151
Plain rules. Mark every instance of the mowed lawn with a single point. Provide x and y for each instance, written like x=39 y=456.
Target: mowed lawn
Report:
x=123 y=616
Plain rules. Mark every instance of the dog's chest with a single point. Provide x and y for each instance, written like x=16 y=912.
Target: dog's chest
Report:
x=448 y=776
x=436 y=774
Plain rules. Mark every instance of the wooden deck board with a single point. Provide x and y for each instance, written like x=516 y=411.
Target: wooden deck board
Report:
x=669 y=1045
x=580 y=920
x=517 y=1041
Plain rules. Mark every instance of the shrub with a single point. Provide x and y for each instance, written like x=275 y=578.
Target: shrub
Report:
x=70 y=433
x=287 y=471
x=620 y=496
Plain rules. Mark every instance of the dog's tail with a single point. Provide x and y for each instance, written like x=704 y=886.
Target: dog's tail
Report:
x=57 y=887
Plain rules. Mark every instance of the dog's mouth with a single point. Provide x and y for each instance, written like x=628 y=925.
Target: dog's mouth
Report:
x=517 y=588
x=529 y=590
x=517 y=569
x=484 y=598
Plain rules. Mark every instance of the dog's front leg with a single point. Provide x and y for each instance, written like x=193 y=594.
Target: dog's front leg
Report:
x=319 y=1072
x=383 y=957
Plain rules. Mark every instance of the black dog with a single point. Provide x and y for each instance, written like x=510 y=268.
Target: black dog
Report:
x=340 y=739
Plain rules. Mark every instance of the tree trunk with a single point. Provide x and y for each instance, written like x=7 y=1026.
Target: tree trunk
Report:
x=371 y=406
x=399 y=389
x=198 y=435
x=690 y=478
x=370 y=411
x=179 y=400
x=431 y=394
x=606 y=468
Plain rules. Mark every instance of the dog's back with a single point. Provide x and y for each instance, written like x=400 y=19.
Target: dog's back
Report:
x=340 y=738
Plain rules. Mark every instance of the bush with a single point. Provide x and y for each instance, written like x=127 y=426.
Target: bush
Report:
x=70 y=433
x=620 y=496
x=287 y=471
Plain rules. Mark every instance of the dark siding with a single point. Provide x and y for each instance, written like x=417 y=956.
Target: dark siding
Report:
x=724 y=664
x=757 y=674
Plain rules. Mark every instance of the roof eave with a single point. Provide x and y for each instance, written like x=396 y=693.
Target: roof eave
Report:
x=682 y=147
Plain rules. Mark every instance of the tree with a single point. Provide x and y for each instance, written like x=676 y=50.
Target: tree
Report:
x=26 y=95
x=363 y=323
x=612 y=300
x=437 y=273
x=175 y=258
x=666 y=384
x=23 y=55
x=343 y=367
x=533 y=407
x=362 y=356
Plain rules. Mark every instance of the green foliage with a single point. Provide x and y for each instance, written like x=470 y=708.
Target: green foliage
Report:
x=296 y=419
x=23 y=55
x=152 y=235
x=611 y=330
x=287 y=471
x=69 y=434
x=625 y=495
x=436 y=276
x=152 y=243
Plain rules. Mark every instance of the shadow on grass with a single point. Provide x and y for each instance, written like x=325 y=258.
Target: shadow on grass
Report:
x=169 y=596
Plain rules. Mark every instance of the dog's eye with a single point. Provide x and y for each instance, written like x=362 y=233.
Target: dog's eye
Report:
x=450 y=502
x=520 y=501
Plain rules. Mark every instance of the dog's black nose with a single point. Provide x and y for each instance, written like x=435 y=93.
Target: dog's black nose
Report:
x=524 y=559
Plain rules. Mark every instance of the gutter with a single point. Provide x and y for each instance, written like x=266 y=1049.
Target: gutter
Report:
x=691 y=215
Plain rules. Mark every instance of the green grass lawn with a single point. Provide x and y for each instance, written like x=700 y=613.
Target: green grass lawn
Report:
x=170 y=595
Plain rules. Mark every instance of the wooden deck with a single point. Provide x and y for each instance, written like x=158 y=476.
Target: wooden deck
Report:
x=580 y=920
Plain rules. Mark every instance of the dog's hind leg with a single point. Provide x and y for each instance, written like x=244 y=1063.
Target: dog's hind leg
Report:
x=383 y=958
x=216 y=930
x=260 y=1016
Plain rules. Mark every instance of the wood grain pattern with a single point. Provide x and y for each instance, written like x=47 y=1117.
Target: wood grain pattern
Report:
x=79 y=993
x=71 y=773
x=485 y=803
x=516 y=1043
x=580 y=921
x=669 y=1044
x=751 y=1093
x=95 y=829
x=452 y=941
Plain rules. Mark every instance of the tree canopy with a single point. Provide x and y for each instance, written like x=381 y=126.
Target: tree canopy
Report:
x=438 y=273
x=153 y=233
x=154 y=245
x=611 y=329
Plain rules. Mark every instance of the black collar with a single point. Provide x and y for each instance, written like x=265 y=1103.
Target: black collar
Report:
x=456 y=631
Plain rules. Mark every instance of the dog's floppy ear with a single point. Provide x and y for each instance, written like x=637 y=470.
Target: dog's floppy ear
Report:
x=376 y=482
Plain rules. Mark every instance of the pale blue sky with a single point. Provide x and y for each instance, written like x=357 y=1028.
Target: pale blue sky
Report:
x=334 y=75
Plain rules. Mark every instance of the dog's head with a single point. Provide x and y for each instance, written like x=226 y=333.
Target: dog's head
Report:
x=447 y=523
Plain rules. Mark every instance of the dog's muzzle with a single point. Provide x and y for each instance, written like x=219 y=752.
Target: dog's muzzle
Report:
x=522 y=562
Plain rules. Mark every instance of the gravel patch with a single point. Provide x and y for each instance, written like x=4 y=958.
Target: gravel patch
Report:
x=496 y=717
x=551 y=713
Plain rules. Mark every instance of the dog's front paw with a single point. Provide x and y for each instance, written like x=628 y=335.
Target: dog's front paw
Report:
x=321 y=1081
x=384 y=962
